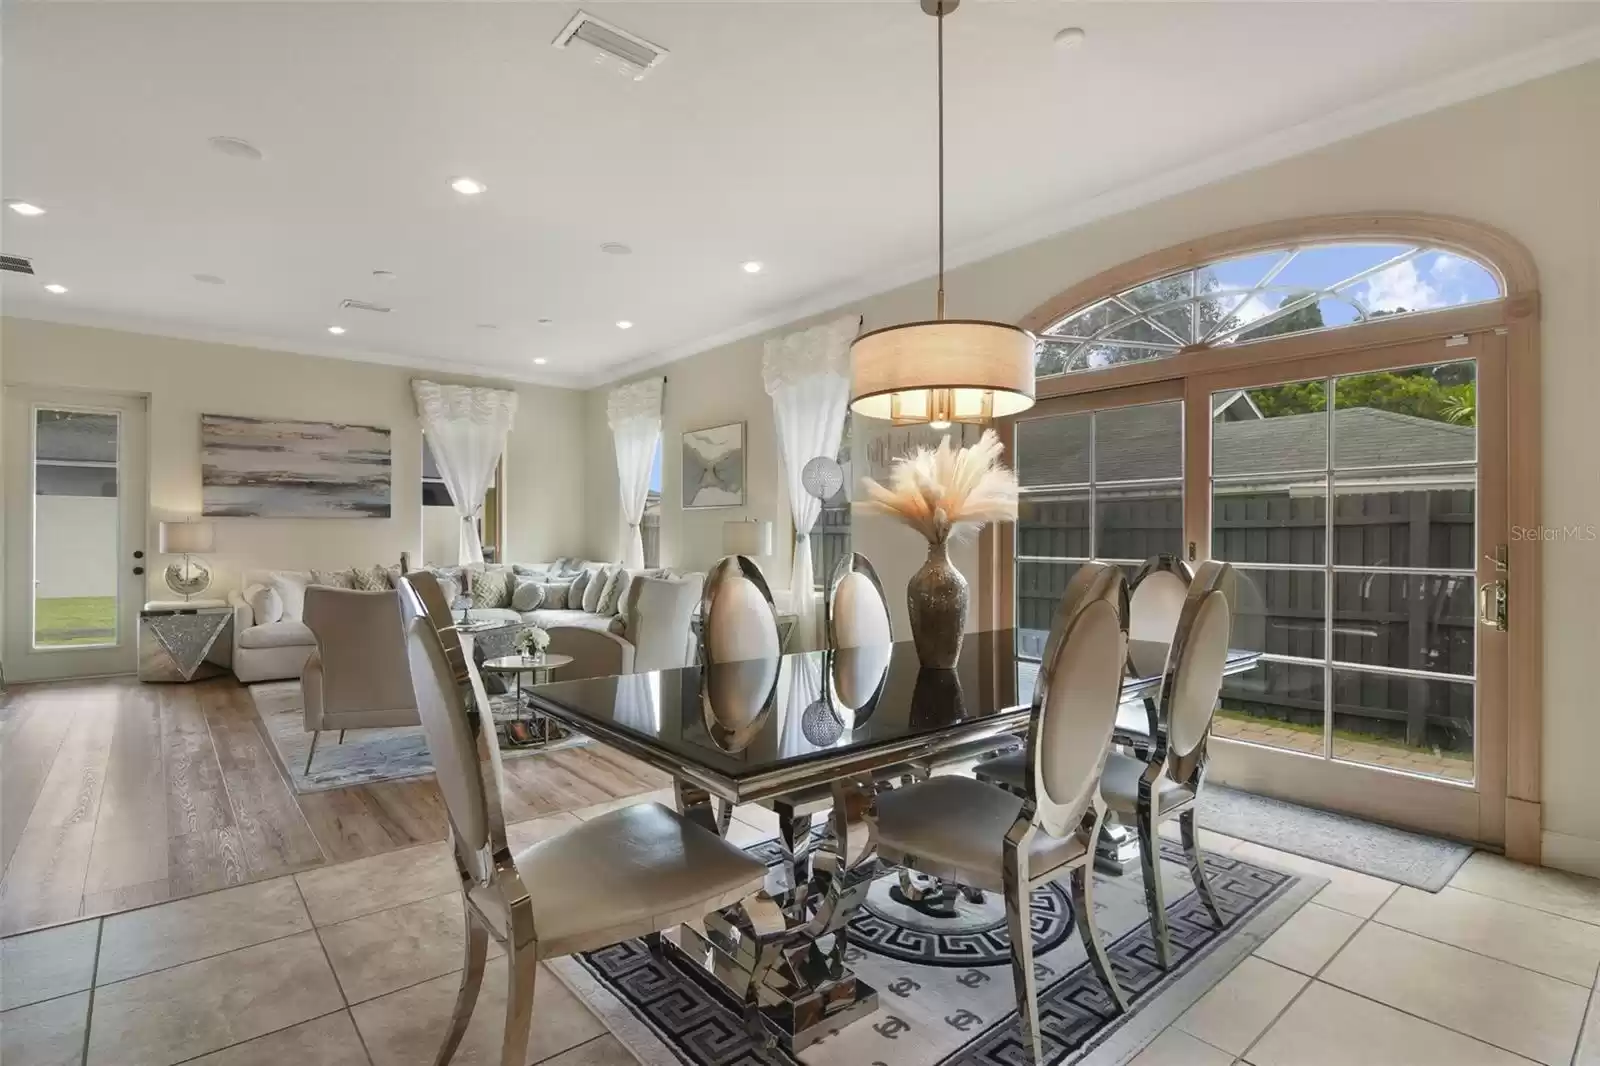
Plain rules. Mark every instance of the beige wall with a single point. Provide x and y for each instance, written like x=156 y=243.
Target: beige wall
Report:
x=1526 y=160
x=186 y=378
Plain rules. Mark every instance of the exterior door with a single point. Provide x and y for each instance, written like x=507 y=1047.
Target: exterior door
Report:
x=1361 y=497
x=75 y=532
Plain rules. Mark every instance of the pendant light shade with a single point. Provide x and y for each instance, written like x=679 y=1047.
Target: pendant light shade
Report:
x=942 y=371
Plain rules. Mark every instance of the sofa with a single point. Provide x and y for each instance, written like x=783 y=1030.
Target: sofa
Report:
x=648 y=629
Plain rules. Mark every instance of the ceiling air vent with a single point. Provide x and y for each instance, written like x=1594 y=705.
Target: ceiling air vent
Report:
x=16 y=264
x=611 y=46
x=361 y=305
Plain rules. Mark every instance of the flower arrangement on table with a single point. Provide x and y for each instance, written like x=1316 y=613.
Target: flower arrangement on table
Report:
x=533 y=641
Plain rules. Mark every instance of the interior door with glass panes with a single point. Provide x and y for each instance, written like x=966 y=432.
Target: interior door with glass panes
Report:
x=1101 y=478
x=1361 y=498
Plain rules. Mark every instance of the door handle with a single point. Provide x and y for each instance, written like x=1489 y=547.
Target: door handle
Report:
x=1492 y=605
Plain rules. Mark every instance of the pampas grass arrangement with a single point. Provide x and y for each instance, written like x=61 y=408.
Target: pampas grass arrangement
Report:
x=948 y=493
x=945 y=494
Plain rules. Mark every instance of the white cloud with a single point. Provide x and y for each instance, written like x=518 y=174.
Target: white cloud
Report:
x=1400 y=288
x=1447 y=268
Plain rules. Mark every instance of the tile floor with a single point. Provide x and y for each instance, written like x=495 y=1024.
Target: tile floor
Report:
x=356 y=965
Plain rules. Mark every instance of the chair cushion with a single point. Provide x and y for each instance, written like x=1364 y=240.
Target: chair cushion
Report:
x=284 y=634
x=955 y=828
x=626 y=873
x=1120 y=785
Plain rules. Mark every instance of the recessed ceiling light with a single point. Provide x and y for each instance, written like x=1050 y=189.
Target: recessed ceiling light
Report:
x=23 y=207
x=624 y=324
x=209 y=279
x=237 y=147
x=540 y=361
x=546 y=321
x=1071 y=37
x=468 y=186
x=335 y=330
x=752 y=267
x=57 y=289
x=383 y=275
x=487 y=325
x=614 y=248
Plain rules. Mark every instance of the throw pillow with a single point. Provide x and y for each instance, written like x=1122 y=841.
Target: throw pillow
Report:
x=491 y=587
x=369 y=579
x=611 y=595
x=580 y=585
x=266 y=606
x=592 y=590
x=556 y=596
x=339 y=579
x=449 y=583
x=527 y=596
x=291 y=589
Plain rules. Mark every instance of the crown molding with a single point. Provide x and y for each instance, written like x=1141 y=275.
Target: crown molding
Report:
x=1548 y=57
x=153 y=327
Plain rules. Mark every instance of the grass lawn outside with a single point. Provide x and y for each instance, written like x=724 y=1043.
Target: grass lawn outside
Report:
x=64 y=621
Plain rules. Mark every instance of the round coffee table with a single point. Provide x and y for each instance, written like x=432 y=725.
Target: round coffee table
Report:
x=540 y=730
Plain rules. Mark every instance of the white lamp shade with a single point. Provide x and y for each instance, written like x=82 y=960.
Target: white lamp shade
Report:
x=955 y=370
x=182 y=538
x=747 y=538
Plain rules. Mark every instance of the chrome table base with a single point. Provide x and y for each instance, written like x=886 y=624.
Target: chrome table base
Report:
x=792 y=937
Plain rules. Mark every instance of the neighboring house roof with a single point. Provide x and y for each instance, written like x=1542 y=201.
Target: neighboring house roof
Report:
x=1145 y=442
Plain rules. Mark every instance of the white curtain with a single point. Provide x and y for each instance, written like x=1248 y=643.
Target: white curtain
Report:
x=634 y=412
x=466 y=430
x=807 y=374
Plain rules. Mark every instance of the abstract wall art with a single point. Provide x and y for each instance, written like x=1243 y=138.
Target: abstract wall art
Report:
x=280 y=468
x=713 y=466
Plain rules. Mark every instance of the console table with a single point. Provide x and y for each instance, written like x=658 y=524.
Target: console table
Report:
x=176 y=639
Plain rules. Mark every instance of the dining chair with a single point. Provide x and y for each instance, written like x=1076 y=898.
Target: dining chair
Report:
x=976 y=834
x=855 y=610
x=1155 y=601
x=627 y=873
x=1162 y=781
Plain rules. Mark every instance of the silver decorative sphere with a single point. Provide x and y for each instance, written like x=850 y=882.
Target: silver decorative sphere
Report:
x=822 y=477
x=820 y=725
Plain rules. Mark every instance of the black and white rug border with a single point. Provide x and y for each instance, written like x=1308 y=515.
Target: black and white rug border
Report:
x=1119 y=1044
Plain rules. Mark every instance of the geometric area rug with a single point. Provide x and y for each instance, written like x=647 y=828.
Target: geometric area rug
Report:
x=944 y=980
x=366 y=756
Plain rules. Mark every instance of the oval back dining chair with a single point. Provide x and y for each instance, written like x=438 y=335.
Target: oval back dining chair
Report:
x=856 y=613
x=1155 y=600
x=980 y=835
x=623 y=874
x=1163 y=781
x=737 y=616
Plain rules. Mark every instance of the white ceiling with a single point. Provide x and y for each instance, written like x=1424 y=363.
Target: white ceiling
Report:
x=799 y=134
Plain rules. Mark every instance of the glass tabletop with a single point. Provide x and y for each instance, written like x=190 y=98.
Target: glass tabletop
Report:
x=743 y=729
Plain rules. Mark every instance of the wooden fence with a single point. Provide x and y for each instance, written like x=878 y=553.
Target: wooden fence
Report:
x=830 y=542
x=1421 y=622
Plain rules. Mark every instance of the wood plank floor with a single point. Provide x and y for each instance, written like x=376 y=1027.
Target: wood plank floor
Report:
x=117 y=795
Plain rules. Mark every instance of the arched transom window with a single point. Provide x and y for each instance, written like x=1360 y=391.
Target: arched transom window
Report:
x=1292 y=289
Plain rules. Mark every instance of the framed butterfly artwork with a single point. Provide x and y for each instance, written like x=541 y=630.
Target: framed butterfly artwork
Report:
x=713 y=467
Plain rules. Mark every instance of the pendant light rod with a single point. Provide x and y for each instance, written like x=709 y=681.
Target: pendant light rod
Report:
x=939 y=308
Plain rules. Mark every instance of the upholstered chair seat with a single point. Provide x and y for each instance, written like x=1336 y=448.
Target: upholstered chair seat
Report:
x=628 y=873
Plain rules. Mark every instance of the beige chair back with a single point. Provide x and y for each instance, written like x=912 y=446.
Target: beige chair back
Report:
x=1199 y=656
x=362 y=649
x=457 y=719
x=737 y=618
x=1155 y=600
x=857 y=611
x=1075 y=699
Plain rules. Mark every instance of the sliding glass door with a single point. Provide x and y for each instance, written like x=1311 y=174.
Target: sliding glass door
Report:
x=1361 y=497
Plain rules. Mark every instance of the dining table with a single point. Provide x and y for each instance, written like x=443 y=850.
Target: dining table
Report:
x=841 y=723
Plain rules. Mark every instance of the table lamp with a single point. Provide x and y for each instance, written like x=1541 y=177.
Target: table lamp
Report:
x=747 y=537
x=191 y=576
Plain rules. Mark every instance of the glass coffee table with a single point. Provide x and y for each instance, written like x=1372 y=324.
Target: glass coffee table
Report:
x=519 y=725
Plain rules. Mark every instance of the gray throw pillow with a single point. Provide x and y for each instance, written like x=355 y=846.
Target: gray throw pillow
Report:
x=527 y=596
x=611 y=595
x=580 y=585
x=592 y=590
x=491 y=587
x=556 y=596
